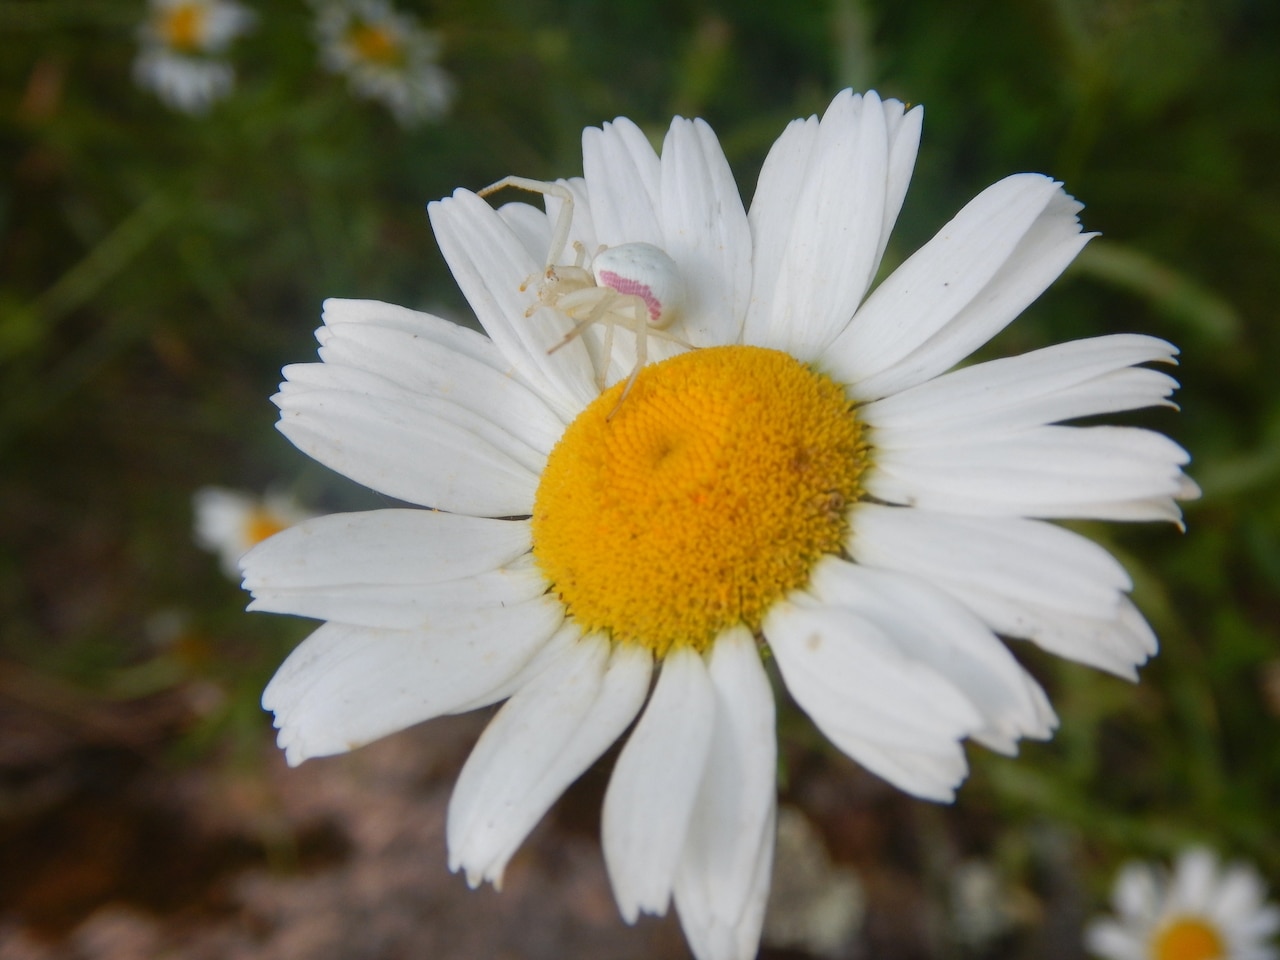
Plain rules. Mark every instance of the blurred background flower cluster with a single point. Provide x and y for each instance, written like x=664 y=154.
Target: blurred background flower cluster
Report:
x=184 y=182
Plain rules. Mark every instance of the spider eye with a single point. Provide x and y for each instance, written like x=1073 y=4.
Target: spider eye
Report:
x=645 y=271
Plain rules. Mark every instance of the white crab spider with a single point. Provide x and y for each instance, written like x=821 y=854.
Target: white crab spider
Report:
x=636 y=285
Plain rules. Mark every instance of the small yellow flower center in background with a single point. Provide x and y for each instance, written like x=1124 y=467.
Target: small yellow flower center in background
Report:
x=710 y=493
x=182 y=26
x=1188 y=938
x=261 y=524
x=375 y=44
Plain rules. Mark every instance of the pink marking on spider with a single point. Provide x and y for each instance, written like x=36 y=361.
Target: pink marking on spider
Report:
x=635 y=288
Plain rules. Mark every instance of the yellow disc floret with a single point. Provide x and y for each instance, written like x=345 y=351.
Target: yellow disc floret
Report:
x=699 y=501
x=261 y=524
x=1188 y=938
x=376 y=44
x=182 y=26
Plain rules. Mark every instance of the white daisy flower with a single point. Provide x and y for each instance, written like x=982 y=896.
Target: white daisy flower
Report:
x=386 y=57
x=231 y=522
x=1204 y=911
x=180 y=43
x=796 y=471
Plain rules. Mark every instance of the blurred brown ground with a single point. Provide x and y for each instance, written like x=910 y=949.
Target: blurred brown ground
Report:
x=108 y=851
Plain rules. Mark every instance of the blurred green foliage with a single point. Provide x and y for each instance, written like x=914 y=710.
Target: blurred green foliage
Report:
x=156 y=270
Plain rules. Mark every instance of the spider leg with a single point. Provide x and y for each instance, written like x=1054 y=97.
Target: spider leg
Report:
x=596 y=314
x=608 y=355
x=560 y=235
x=669 y=337
x=640 y=327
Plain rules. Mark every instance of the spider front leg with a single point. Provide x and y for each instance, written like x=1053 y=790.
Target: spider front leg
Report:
x=564 y=221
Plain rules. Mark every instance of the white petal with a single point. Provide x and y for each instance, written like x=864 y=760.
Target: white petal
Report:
x=1062 y=382
x=452 y=409
x=961 y=288
x=1117 y=645
x=1029 y=559
x=711 y=939
x=417 y=449
x=542 y=740
x=1107 y=473
x=1136 y=896
x=405 y=606
x=718 y=888
x=345 y=686
x=531 y=226
x=1194 y=878
x=488 y=423
x=1260 y=926
x=904 y=143
x=930 y=627
x=771 y=216
x=623 y=183
x=842 y=664
x=1113 y=941
x=651 y=794
x=422 y=365
x=899 y=718
x=1240 y=894
x=1023 y=578
x=930 y=775
x=385 y=546
x=705 y=231
x=493 y=268
x=392 y=568
x=826 y=201
x=445 y=333
x=562 y=642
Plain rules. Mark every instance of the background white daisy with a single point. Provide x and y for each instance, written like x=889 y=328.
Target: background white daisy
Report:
x=231 y=522
x=1202 y=910
x=180 y=47
x=385 y=56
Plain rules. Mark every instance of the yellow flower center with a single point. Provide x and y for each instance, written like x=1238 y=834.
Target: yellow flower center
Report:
x=375 y=44
x=261 y=524
x=1188 y=938
x=182 y=26
x=701 y=500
